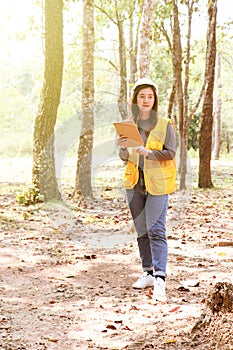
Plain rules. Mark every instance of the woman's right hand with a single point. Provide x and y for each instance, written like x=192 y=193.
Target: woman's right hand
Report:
x=122 y=141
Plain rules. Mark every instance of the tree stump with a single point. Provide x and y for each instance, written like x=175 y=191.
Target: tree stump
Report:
x=219 y=301
x=220 y=298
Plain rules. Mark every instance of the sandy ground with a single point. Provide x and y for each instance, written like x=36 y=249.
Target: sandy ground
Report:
x=66 y=276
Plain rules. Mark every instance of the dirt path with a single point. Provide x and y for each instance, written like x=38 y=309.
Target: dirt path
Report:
x=66 y=278
x=66 y=275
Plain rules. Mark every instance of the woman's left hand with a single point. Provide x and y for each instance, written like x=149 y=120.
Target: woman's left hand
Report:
x=142 y=150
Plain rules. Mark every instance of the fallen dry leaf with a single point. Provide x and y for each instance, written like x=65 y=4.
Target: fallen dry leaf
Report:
x=111 y=326
x=183 y=289
x=169 y=341
x=53 y=340
x=126 y=328
x=175 y=309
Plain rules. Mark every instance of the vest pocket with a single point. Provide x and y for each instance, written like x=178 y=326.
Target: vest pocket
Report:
x=131 y=176
x=161 y=180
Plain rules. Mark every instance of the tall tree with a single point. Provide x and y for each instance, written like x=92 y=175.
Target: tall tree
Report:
x=43 y=171
x=181 y=83
x=133 y=45
x=217 y=112
x=118 y=12
x=122 y=99
x=148 y=15
x=83 y=171
x=164 y=15
x=205 y=145
x=177 y=72
x=186 y=117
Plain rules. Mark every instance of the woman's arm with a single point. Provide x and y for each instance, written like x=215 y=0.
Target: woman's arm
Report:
x=123 y=151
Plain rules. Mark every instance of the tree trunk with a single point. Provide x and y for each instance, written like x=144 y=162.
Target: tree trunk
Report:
x=219 y=308
x=115 y=15
x=205 y=146
x=43 y=171
x=217 y=114
x=132 y=55
x=177 y=76
x=145 y=38
x=133 y=44
x=122 y=99
x=83 y=172
x=177 y=65
x=182 y=93
x=171 y=100
x=220 y=298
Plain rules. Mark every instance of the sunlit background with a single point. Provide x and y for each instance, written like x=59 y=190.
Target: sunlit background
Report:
x=22 y=60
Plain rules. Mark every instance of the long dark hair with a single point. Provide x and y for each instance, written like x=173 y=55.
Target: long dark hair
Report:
x=134 y=107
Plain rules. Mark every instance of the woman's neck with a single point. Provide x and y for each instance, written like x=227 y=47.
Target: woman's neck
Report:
x=144 y=115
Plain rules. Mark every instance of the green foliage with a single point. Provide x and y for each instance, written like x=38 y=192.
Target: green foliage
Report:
x=25 y=82
x=12 y=107
x=22 y=70
x=194 y=132
x=16 y=117
x=226 y=139
x=16 y=144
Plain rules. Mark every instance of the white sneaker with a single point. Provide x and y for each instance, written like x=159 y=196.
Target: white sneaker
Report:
x=159 y=289
x=145 y=280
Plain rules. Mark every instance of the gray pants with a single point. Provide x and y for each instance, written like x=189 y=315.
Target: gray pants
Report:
x=149 y=216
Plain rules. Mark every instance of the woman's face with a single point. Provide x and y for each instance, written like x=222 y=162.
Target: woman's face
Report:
x=145 y=100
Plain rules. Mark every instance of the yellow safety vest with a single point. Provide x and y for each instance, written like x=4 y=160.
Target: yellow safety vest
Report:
x=160 y=176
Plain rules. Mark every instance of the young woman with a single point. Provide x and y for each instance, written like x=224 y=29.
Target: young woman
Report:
x=149 y=177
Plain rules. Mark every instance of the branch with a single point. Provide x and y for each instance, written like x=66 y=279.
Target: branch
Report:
x=109 y=61
x=105 y=13
x=165 y=33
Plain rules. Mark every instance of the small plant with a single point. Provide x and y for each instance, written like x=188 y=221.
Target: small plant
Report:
x=30 y=196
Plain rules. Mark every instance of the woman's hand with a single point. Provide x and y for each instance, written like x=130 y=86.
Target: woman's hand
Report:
x=142 y=150
x=122 y=141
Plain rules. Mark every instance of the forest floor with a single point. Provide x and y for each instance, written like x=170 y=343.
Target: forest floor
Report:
x=67 y=271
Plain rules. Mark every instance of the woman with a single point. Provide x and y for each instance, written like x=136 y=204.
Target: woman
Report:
x=149 y=177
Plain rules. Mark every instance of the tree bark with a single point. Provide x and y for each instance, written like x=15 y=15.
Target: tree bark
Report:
x=43 y=171
x=132 y=54
x=186 y=117
x=115 y=16
x=134 y=44
x=181 y=86
x=171 y=100
x=122 y=99
x=145 y=38
x=217 y=113
x=220 y=298
x=219 y=302
x=177 y=76
x=205 y=146
x=83 y=185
